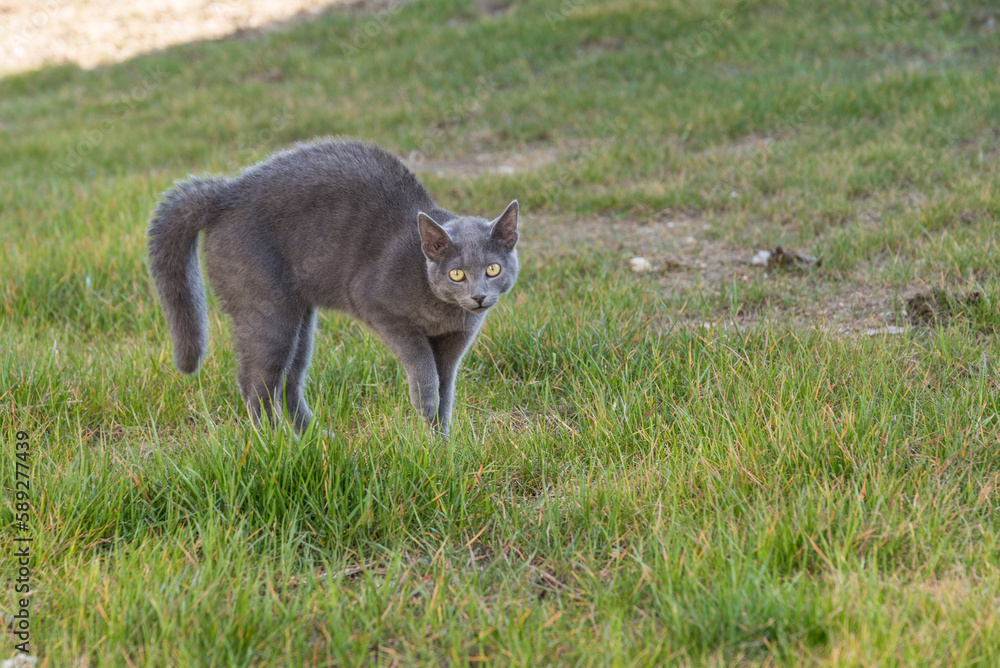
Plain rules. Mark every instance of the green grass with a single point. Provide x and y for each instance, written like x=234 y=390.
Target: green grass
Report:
x=712 y=464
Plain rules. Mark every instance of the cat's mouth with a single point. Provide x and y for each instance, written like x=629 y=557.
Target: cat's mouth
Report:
x=476 y=307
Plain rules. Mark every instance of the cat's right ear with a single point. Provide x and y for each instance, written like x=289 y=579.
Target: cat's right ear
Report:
x=505 y=227
x=434 y=239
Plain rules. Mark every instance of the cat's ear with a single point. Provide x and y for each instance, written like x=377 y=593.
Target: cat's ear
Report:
x=434 y=239
x=505 y=227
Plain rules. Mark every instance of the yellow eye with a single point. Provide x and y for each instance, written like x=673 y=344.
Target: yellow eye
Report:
x=492 y=270
x=456 y=275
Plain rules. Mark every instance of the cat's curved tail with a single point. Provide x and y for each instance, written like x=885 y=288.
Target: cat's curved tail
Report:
x=184 y=210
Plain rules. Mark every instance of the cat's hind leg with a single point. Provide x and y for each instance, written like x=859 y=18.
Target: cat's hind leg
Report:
x=265 y=312
x=265 y=339
x=295 y=373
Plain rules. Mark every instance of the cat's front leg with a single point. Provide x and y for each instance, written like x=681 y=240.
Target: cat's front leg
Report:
x=412 y=348
x=448 y=352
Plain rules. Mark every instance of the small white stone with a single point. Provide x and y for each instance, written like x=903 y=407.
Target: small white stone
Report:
x=639 y=265
x=20 y=661
x=888 y=330
x=761 y=258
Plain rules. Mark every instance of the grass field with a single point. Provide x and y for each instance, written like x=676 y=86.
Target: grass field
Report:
x=711 y=463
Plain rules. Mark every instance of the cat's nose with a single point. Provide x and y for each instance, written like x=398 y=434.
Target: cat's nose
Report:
x=479 y=299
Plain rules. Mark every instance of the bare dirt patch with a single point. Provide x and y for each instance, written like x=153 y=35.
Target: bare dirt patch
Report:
x=938 y=306
x=97 y=32
x=686 y=259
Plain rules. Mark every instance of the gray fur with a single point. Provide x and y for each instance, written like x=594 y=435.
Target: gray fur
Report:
x=328 y=224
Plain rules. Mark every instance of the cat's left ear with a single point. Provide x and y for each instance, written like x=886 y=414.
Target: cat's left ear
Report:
x=505 y=227
x=434 y=239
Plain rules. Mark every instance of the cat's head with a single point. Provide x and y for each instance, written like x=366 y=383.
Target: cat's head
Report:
x=471 y=261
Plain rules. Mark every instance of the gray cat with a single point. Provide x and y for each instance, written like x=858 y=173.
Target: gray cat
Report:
x=328 y=224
